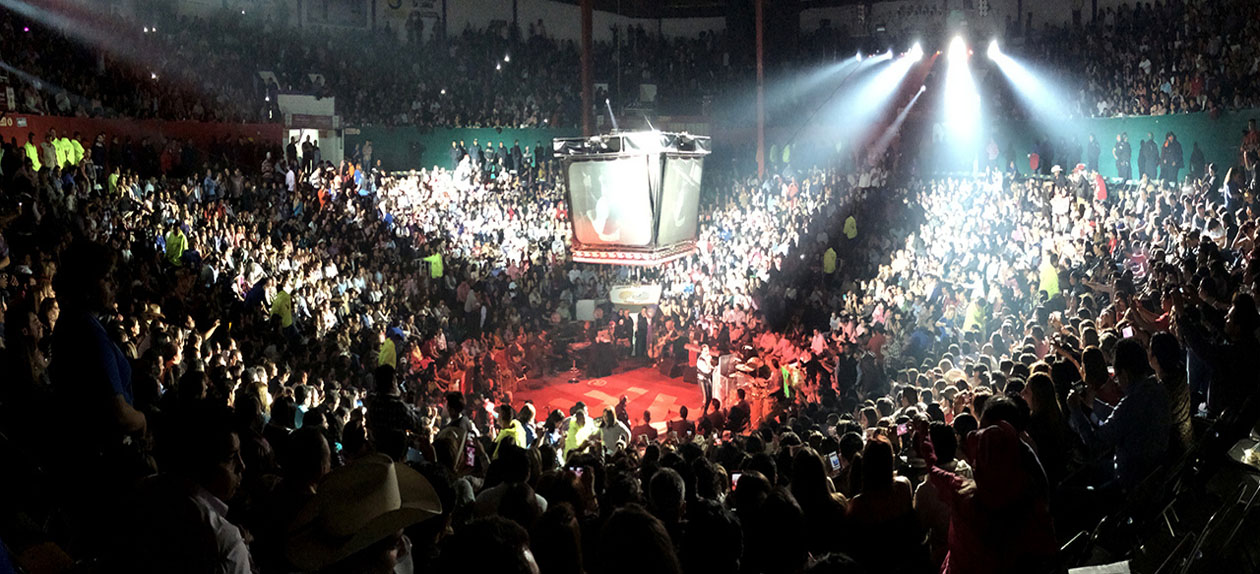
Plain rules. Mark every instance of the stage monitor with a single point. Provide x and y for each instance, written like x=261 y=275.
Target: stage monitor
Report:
x=633 y=197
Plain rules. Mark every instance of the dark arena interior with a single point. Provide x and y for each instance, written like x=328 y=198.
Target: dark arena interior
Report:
x=629 y=286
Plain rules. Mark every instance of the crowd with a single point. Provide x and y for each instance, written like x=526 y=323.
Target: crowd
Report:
x=231 y=67
x=274 y=365
x=1155 y=59
x=238 y=361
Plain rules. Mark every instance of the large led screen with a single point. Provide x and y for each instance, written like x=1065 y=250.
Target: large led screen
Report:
x=680 y=202
x=611 y=202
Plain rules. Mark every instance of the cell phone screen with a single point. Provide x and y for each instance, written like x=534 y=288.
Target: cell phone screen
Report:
x=834 y=459
x=735 y=479
x=902 y=429
x=470 y=452
x=576 y=470
x=1127 y=332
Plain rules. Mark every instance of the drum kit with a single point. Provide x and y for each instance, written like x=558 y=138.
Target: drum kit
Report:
x=760 y=401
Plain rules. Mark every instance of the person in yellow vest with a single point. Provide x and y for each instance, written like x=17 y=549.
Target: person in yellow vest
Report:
x=389 y=351
x=850 y=227
x=829 y=261
x=436 y=268
x=64 y=151
x=32 y=150
x=1049 y=271
x=282 y=307
x=578 y=431
x=176 y=244
x=76 y=150
x=510 y=429
x=974 y=317
x=112 y=181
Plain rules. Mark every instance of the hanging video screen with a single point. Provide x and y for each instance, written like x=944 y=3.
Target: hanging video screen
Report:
x=611 y=202
x=680 y=202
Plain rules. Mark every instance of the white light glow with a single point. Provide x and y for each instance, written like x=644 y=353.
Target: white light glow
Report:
x=962 y=100
x=916 y=52
x=994 y=51
x=957 y=50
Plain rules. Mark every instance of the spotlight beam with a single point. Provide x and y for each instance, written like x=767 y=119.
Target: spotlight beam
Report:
x=1030 y=87
x=962 y=99
x=884 y=140
x=862 y=64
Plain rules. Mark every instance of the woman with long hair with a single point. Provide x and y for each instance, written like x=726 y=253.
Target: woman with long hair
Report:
x=824 y=507
x=1047 y=426
x=881 y=517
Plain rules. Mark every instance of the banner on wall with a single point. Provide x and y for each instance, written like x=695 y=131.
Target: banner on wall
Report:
x=337 y=13
x=413 y=20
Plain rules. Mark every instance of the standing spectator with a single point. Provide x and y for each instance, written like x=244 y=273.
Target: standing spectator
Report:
x=1148 y=158
x=1172 y=159
x=1137 y=428
x=1123 y=154
x=1092 y=151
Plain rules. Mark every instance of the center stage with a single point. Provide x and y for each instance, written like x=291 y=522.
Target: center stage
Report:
x=645 y=388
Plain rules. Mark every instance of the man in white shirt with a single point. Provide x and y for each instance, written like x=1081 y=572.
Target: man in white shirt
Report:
x=613 y=432
x=290 y=180
x=704 y=374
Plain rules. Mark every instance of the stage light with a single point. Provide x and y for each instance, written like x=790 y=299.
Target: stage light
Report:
x=994 y=52
x=859 y=56
x=957 y=50
x=962 y=100
x=507 y=58
x=916 y=52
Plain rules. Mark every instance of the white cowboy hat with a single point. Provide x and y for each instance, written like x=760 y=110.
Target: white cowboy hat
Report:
x=357 y=506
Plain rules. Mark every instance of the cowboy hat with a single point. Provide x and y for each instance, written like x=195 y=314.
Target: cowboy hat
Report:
x=152 y=311
x=357 y=506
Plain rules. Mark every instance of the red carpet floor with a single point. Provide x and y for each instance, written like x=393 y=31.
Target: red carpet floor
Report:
x=646 y=388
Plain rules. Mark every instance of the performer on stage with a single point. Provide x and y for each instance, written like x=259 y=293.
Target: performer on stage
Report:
x=704 y=375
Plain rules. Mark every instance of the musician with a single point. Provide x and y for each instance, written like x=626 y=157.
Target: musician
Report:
x=740 y=413
x=704 y=375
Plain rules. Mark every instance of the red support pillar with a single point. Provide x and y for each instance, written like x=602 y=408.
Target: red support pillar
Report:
x=588 y=127
x=761 y=94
